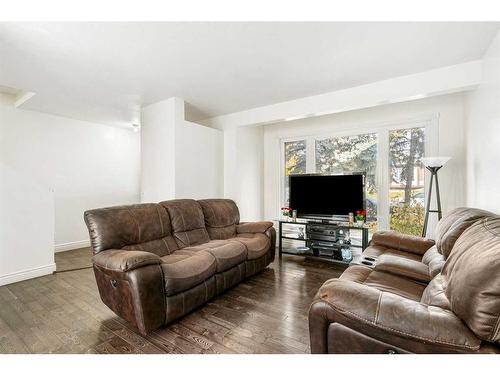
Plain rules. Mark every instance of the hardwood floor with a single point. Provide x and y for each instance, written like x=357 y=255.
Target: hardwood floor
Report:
x=74 y=259
x=63 y=313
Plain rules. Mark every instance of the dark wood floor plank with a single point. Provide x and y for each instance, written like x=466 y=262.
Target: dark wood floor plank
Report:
x=63 y=313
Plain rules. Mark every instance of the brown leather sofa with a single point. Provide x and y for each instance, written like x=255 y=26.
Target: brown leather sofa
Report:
x=414 y=295
x=156 y=262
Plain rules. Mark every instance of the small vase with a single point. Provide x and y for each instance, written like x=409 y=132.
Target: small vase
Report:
x=359 y=223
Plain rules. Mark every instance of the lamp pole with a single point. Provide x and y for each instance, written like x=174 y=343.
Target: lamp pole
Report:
x=433 y=165
x=433 y=171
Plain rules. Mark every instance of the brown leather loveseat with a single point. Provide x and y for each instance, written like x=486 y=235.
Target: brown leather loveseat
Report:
x=156 y=262
x=414 y=295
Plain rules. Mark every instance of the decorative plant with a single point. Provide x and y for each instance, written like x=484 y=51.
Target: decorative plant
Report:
x=360 y=215
x=285 y=211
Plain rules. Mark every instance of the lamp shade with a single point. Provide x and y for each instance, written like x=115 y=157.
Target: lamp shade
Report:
x=435 y=161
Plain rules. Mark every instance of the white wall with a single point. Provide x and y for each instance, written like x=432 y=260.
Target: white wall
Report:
x=87 y=165
x=158 y=150
x=26 y=226
x=243 y=170
x=450 y=109
x=180 y=159
x=483 y=135
x=199 y=164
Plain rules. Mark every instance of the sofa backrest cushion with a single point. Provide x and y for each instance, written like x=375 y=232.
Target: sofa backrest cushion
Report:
x=402 y=241
x=472 y=278
x=434 y=293
x=221 y=217
x=144 y=227
x=188 y=222
x=433 y=259
x=453 y=224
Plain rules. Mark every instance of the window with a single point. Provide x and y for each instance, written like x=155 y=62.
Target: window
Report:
x=295 y=163
x=357 y=153
x=406 y=191
x=391 y=158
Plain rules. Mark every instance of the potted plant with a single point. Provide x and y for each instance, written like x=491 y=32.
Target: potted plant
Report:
x=286 y=212
x=360 y=217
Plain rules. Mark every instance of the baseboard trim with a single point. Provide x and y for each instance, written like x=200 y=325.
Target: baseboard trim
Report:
x=71 y=246
x=31 y=273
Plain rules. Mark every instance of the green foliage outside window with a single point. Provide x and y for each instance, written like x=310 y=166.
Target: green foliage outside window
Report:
x=408 y=219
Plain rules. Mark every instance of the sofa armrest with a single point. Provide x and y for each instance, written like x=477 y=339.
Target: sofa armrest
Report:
x=124 y=260
x=384 y=315
x=131 y=283
x=254 y=227
x=400 y=266
x=400 y=241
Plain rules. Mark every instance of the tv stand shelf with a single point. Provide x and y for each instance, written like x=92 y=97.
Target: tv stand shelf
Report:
x=324 y=240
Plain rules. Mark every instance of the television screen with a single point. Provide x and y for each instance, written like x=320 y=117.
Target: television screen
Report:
x=327 y=195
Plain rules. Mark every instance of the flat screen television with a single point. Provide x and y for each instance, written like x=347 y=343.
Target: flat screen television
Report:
x=327 y=196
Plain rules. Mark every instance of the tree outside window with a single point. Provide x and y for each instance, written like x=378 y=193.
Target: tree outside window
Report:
x=352 y=154
x=295 y=162
x=406 y=193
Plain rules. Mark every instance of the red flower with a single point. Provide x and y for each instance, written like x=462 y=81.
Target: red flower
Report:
x=361 y=214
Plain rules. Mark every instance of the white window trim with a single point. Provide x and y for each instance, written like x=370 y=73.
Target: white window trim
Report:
x=429 y=122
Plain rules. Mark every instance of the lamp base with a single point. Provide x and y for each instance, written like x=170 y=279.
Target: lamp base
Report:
x=433 y=171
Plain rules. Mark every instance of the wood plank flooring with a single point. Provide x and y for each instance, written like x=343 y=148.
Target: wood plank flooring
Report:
x=74 y=259
x=63 y=313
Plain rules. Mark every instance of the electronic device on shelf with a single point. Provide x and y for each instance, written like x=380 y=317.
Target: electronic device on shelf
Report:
x=328 y=233
x=326 y=249
x=327 y=241
x=326 y=196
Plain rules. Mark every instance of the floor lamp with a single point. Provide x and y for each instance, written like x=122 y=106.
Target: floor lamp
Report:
x=433 y=164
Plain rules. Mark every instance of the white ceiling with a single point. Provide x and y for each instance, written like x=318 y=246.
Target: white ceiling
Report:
x=104 y=72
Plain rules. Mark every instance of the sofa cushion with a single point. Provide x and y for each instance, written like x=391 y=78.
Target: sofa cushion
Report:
x=375 y=251
x=190 y=250
x=161 y=247
x=453 y=224
x=122 y=226
x=185 y=269
x=227 y=254
x=385 y=282
x=472 y=278
x=257 y=244
x=188 y=222
x=221 y=217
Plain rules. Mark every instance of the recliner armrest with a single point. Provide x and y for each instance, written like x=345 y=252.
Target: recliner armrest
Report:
x=385 y=314
x=131 y=283
x=400 y=266
x=400 y=241
x=254 y=227
x=124 y=260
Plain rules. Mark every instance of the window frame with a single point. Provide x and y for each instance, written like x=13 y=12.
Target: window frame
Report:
x=430 y=123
